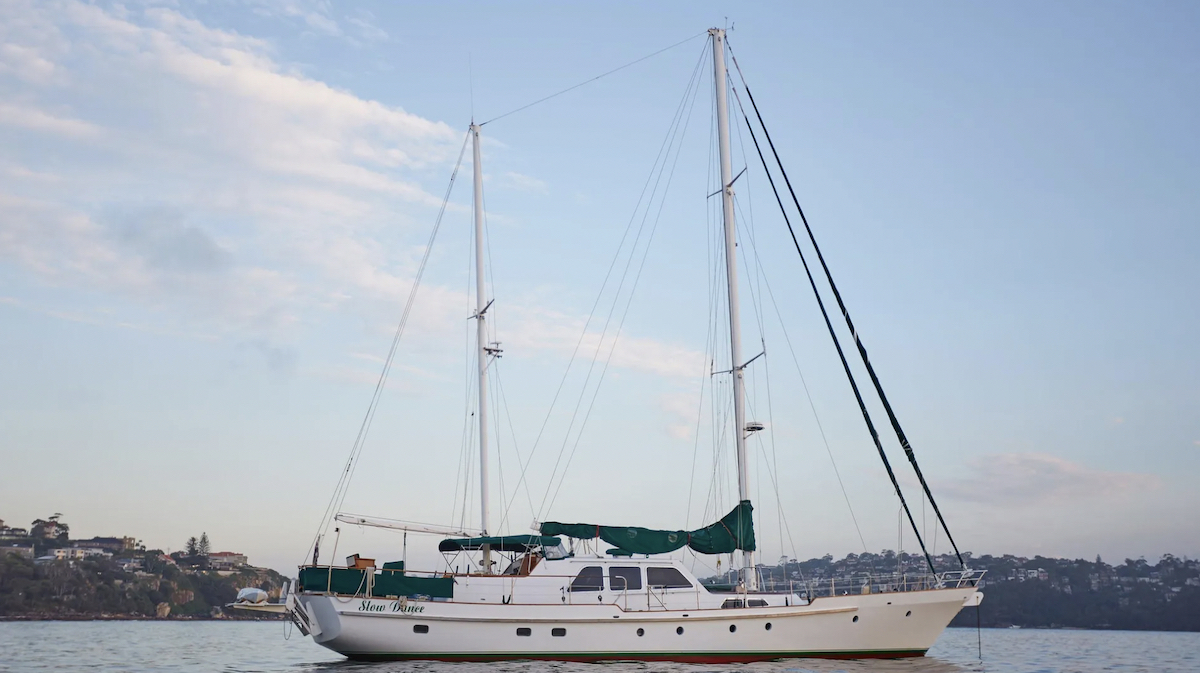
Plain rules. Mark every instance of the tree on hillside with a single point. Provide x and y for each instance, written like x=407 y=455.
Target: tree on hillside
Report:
x=203 y=547
x=192 y=546
x=50 y=528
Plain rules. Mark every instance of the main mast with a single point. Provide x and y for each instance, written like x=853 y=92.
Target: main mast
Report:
x=735 y=327
x=481 y=306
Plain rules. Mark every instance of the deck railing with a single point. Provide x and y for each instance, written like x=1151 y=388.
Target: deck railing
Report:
x=655 y=597
x=874 y=583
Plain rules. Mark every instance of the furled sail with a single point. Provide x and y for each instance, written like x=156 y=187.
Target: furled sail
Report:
x=734 y=531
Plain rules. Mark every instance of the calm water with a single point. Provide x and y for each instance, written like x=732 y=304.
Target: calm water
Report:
x=261 y=647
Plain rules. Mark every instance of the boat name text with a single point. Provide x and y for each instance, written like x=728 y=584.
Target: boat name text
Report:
x=369 y=606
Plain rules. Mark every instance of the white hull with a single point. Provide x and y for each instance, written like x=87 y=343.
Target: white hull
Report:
x=853 y=626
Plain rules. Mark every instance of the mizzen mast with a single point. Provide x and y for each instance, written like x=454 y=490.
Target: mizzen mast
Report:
x=735 y=328
x=481 y=306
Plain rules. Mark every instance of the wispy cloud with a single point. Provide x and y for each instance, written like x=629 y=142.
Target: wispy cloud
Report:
x=26 y=64
x=1025 y=479
x=540 y=329
x=264 y=180
x=522 y=182
x=276 y=196
x=35 y=119
x=681 y=410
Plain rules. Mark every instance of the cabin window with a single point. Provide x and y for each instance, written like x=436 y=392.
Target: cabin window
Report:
x=756 y=603
x=420 y=628
x=558 y=632
x=524 y=631
x=622 y=578
x=733 y=603
x=590 y=578
x=667 y=578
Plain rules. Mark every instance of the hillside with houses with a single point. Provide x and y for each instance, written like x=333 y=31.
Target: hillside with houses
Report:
x=45 y=574
x=1037 y=592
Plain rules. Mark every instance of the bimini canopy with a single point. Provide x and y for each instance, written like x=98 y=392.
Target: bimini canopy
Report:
x=734 y=531
x=517 y=543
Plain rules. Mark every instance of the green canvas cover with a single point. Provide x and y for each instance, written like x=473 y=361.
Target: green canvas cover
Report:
x=344 y=580
x=514 y=543
x=352 y=582
x=734 y=531
x=391 y=583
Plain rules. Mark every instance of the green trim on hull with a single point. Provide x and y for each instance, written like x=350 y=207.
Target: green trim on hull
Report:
x=681 y=657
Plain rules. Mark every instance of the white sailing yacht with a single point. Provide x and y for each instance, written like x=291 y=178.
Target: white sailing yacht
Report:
x=548 y=603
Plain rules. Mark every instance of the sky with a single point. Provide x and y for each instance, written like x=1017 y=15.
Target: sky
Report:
x=211 y=216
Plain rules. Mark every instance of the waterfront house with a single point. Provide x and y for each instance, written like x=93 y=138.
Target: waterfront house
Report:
x=18 y=550
x=226 y=560
x=112 y=544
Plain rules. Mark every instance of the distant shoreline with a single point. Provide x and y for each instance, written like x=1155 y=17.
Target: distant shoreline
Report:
x=139 y=618
x=278 y=618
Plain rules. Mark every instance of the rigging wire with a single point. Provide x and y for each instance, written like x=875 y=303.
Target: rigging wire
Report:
x=812 y=405
x=516 y=449
x=680 y=133
x=708 y=337
x=757 y=303
x=837 y=344
x=663 y=147
x=862 y=351
x=773 y=473
x=589 y=81
x=841 y=355
x=343 y=484
x=470 y=378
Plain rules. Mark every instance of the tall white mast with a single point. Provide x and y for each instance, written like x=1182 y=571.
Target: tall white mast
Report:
x=735 y=327
x=481 y=305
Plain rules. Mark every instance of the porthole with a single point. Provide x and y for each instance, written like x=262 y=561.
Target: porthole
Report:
x=768 y=626
x=524 y=631
x=908 y=614
x=679 y=630
x=732 y=628
x=641 y=632
x=420 y=628
x=558 y=632
x=855 y=618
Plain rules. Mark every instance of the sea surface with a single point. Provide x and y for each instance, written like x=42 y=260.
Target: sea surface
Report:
x=273 y=647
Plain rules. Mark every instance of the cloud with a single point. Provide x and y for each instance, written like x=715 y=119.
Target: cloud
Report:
x=367 y=30
x=1026 y=479
x=35 y=119
x=276 y=197
x=681 y=409
x=26 y=64
x=265 y=181
x=312 y=13
x=160 y=237
x=151 y=256
x=540 y=329
x=23 y=173
x=523 y=182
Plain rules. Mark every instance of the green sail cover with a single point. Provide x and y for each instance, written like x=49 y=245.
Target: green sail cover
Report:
x=734 y=531
x=509 y=543
x=353 y=582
